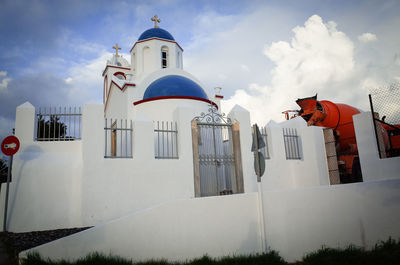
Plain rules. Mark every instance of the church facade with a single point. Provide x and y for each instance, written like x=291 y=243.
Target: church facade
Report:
x=159 y=171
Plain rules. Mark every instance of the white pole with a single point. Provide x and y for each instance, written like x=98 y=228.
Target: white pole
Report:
x=260 y=197
x=262 y=223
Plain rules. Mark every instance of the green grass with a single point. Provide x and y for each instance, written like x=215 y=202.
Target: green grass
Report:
x=385 y=253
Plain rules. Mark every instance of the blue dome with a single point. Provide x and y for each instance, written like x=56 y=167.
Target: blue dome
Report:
x=156 y=33
x=174 y=85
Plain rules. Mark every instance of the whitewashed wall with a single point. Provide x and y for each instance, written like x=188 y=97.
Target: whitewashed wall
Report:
x=372 y=167
x=178 y=230
x=299 y=221
x=43 y=195
x=115 y=187
x=71 y=184
x=310 y=170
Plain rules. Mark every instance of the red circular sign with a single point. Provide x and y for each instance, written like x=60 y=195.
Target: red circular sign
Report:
x=10 y=145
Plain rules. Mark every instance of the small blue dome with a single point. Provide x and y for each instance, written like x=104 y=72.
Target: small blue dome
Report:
x=156 y=33
x=174 y=85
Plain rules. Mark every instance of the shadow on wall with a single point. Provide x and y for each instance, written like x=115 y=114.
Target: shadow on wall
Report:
x=29 y=153
x=248 y=244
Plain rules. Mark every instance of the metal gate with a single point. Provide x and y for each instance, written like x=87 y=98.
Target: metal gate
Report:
x=216 y=155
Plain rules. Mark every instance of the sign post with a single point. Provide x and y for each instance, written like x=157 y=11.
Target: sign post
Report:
x=259 y=166
x=9 y=147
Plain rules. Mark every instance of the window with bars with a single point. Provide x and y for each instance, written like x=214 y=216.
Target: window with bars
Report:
x=265 y=149
x=58 y=124
x=118 y=138
x=292 y=144
x=164 y=57
x=166 y=140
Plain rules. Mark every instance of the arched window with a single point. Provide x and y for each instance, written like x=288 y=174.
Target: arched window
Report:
x=120 y=75
x=133 y=62
x=178 y=59
x=146 y=59
x=164 y=57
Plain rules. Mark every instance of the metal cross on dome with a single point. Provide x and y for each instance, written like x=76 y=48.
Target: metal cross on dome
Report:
x=116 y=49
x=156 y=20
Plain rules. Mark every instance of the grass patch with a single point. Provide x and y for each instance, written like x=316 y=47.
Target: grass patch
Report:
x=385 y=253
x=271 y=258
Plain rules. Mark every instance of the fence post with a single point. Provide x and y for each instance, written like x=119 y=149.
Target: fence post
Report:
x=25 y=122
x=238 y=157
x=196 y=166
x=93 y=131
x=143 y=138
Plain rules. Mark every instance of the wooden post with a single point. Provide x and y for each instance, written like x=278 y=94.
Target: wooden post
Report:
x=196 y=166
x=237 y=153
x=379 y=135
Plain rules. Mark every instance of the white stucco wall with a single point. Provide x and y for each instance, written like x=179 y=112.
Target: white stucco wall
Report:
x=70 y=184
x=310 y=170
x=115 y=187
x=299 y=221
x=372 y=167
x=178 y=230
x=45 y=188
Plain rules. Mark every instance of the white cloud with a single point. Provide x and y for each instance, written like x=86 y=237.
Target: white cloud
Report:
x=4 y=81
x=86 y=79
x=319 y=59
x=367 y=37
x=226 y=51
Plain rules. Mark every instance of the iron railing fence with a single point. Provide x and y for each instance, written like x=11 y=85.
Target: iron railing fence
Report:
x=385 y=106
x=292 y=144
x=58 y=124
x=166 y=140
x=118 y=138
x=265 y=149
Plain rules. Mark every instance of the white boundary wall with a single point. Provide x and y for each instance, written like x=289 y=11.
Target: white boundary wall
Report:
x=310 y=170
x=71 y=184
x=178 y=230
x=299 y=221
x=372 y=167
x=42 y=196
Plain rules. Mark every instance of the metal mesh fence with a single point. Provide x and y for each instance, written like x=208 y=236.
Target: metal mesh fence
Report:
x=386 y=102
x=385 y=106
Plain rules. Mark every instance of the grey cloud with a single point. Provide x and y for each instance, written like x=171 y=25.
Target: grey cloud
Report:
x=45 y=89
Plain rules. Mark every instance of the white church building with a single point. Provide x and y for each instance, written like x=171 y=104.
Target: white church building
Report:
x=158 y=171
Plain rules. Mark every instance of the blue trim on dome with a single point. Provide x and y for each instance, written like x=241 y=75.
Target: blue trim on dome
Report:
x=156 y=33
x=174 y=85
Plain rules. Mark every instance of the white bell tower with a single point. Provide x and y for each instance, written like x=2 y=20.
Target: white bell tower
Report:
x=155 y=49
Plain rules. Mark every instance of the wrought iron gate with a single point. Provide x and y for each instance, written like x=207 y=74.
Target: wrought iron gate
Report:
x=216 y=155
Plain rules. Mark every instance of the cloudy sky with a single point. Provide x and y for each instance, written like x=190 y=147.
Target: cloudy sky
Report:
x=264 y=54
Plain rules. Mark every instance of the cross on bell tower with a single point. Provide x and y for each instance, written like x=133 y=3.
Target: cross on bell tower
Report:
x=156 y=20
x=116 y=49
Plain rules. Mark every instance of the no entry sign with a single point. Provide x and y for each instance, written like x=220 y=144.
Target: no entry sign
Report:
x=10 y=145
